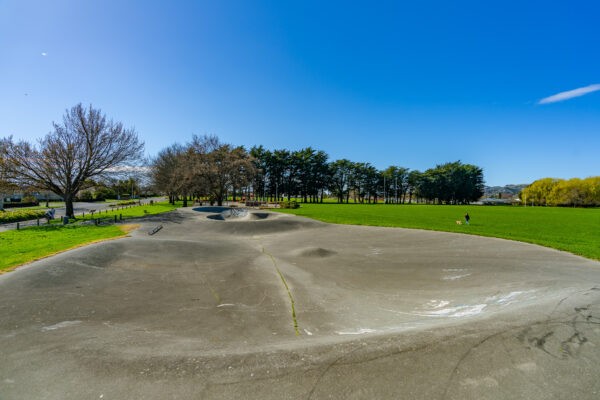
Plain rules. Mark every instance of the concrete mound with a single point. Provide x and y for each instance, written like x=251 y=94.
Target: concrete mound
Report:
x=259 y=216
x=313 y=252
x=252 y=225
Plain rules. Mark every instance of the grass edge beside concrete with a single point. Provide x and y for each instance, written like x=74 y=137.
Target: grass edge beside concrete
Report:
x=563 y=243
x=124 y=232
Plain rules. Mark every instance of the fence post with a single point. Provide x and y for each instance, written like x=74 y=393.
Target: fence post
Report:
x=115 y=218
x=121 y=217
x=38 y=221
x=17 y=226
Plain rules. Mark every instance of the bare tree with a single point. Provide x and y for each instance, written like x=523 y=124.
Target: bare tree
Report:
x=5 y=181
x=221 y=167
x=203 y=167
x=169 y=171
x=83 y=146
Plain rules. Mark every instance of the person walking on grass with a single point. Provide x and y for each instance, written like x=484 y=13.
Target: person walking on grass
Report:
x=467 y=218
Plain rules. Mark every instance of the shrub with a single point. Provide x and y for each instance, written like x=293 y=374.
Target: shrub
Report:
x=87 y=195
x=29 y=199
x=289 y=204
x=103 y=193
x=20 y=215
x=126 y=202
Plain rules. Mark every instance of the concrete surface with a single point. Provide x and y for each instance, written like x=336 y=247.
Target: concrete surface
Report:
x=203 y=310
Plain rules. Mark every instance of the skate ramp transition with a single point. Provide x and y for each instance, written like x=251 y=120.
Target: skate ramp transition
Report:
x=244 y=221
x=244 y=303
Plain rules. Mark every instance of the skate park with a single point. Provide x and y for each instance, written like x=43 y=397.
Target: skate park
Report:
x=244 y=303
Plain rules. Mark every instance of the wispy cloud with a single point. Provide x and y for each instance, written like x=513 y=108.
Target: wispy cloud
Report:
x=44 y=53
x=570 y=94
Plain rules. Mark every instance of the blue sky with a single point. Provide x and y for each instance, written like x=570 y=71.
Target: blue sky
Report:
x=392 y=83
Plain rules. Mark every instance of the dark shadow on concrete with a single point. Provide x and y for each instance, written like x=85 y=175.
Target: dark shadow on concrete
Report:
x=211 y=209
x=258 y=216
x=170 y=216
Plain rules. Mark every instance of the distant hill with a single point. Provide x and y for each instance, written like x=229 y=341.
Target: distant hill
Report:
x=504 y=191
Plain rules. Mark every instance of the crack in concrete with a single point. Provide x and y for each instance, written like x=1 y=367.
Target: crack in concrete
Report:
x=286 y=288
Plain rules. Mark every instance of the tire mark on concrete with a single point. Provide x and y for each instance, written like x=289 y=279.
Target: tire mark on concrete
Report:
x=329 y=366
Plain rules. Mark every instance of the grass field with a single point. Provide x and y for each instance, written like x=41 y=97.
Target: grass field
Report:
x=25 y=245
x=575 y=230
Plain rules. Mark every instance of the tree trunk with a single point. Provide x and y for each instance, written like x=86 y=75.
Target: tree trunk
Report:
x=69 y=205
x=185 y=199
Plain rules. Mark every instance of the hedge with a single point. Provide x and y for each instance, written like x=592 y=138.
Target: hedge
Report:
x=20 y=215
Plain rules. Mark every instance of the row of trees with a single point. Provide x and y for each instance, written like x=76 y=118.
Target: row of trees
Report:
x=560 y=192
x=87 y=148
x=307 y=174
x=207 y=168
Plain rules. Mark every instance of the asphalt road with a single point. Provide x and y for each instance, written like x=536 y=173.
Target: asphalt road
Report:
x=272 y=306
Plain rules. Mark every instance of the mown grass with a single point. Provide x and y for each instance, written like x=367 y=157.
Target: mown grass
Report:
x=575 y=230
x=21 y=246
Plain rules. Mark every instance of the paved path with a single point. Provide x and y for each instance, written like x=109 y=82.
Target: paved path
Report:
x=273 y=306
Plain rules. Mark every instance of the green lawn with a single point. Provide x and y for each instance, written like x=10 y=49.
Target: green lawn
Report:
x=25 y=245
x=28 y=244
x=575 y=230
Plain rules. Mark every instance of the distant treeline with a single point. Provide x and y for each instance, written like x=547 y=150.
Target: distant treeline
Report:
x=559 y=192
x=307 y=174
x=205 y=167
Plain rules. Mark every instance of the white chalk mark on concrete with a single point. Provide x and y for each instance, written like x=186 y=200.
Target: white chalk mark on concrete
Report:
x=437 y=303
x=63 y=324
x=454 y=277
x=357 y=332
x=508 y=298
x=458 y=311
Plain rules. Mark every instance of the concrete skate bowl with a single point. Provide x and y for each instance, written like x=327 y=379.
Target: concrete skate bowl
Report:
x=242 y=221
x=228 y=214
